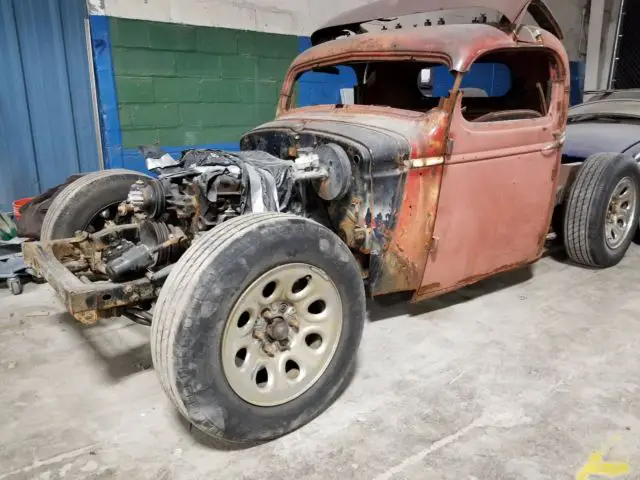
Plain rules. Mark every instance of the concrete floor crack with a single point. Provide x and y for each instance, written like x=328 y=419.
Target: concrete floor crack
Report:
x=434 y=447
x=49 y=461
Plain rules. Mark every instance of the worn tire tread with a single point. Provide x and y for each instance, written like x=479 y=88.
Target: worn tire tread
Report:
x=165 y=321
x=585 y=196
x=578 y=208
x=179 y=290
x=66 y=197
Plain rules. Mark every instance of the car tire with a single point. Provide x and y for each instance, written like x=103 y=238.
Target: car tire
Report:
x=75 y=207
x=589 y=237
x=193 y=322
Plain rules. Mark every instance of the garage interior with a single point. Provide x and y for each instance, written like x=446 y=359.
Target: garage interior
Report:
x=529 y=374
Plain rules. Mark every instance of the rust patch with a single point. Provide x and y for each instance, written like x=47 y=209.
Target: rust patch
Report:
x=87 y=318
x=434 y=289
x=87 y=302
x=408 y=245
x=406 y=256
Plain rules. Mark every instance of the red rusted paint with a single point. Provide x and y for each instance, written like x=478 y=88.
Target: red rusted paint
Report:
x=497 y=196
x=490 y=205
x=456 y=46
x=405 y=257
x=436 y=289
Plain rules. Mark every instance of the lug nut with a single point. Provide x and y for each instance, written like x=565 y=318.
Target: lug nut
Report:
x=294 y=323
x=270 y=349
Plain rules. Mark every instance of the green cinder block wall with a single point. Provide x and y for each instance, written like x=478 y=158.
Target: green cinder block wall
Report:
x=189 y=85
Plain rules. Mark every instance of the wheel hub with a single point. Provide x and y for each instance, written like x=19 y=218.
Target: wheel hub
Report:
x=620 y=213
x=278 y=330
x=275 y=328
x=281 y=334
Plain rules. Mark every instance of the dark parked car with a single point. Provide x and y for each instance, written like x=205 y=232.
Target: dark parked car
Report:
x=608 y=122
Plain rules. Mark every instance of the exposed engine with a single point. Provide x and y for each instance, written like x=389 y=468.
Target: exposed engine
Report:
x=208 y=187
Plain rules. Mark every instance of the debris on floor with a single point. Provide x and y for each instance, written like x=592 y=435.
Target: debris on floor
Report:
x=13 y=270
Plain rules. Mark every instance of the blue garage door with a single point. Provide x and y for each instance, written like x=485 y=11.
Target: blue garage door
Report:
x=47 y=128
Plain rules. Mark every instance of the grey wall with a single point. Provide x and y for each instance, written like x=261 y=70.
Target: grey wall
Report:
x=296 y=17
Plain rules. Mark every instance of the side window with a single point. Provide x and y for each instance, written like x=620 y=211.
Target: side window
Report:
x=482 y=80
x=517 y=86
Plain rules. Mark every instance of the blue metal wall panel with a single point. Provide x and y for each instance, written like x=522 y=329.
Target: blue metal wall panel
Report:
x=107 y=94
x=53 y=113
x=18 y=174
x=42 y=47
x=73 y=14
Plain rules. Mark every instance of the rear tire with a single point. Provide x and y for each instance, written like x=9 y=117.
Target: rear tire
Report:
x=597 y=228
x=75 y=207
x=193 y=319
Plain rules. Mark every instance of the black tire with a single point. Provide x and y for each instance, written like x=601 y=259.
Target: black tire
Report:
x=197 y=298
x=587 y=205
x=75 y=206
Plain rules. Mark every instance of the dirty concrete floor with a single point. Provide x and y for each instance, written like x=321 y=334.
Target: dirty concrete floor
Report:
x=521 y=377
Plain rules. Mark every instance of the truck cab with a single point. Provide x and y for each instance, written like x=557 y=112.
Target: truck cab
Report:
x=458 y=182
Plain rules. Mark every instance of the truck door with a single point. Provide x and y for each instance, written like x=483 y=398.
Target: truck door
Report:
x=498 y=187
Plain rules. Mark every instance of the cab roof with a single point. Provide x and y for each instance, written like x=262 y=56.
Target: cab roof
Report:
x=513 y=11
x=456 y=44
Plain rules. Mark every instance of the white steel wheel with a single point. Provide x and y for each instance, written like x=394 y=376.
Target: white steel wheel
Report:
x=281 y=335
x=257 y=327
x=621 y=213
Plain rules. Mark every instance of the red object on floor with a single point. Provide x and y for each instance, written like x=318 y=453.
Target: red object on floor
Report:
x=19 y=203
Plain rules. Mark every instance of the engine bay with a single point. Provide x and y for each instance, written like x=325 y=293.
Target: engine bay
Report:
x=164 y=214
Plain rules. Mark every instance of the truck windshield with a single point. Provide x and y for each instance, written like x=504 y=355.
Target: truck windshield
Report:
x=405 y=85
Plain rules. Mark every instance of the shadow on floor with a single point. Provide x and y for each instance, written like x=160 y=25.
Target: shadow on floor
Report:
x=394 y=305
x=120 y=363
x=124 y=363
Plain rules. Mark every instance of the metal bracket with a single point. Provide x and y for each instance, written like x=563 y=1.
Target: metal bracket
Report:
x=433 y=245
x=557 y=145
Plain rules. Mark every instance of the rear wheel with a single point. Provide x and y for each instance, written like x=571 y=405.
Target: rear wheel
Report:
x=602 y=210
x=256 y=330
x=88 y=203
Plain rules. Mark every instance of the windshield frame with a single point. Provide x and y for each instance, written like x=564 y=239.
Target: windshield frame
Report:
x=286 y=93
